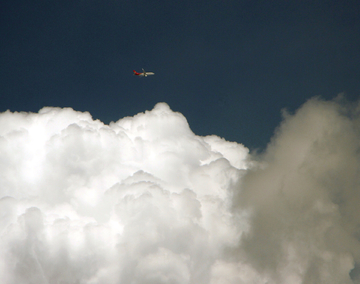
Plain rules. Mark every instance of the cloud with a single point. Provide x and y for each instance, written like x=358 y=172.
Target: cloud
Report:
x=304 y=226
x=145 y=200
x=142 y=200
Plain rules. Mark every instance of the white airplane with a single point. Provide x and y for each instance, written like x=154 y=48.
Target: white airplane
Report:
x=143 y=74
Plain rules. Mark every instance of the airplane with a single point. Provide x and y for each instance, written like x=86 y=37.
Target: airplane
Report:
x=143 y=74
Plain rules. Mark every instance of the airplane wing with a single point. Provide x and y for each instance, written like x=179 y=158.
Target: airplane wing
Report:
x=147 y=73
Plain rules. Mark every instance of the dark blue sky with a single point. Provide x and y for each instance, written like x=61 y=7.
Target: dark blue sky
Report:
x=228 y=66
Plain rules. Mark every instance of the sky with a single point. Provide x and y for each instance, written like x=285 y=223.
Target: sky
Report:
x=238 y=162
x=229 y=66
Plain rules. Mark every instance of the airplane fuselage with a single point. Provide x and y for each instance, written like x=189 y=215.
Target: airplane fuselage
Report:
x=143 y=74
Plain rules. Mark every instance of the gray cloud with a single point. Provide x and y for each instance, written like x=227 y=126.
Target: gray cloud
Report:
x=304 y=197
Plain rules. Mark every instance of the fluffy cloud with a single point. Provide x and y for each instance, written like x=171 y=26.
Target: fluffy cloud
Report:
x=145 y=200
x=142 y=200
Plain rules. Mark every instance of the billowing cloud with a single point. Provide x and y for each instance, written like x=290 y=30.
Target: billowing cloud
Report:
x=145 y=200
x=142 y=200
x=304 y=197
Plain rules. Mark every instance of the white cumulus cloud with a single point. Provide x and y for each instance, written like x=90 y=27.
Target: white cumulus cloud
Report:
x=145 y=200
